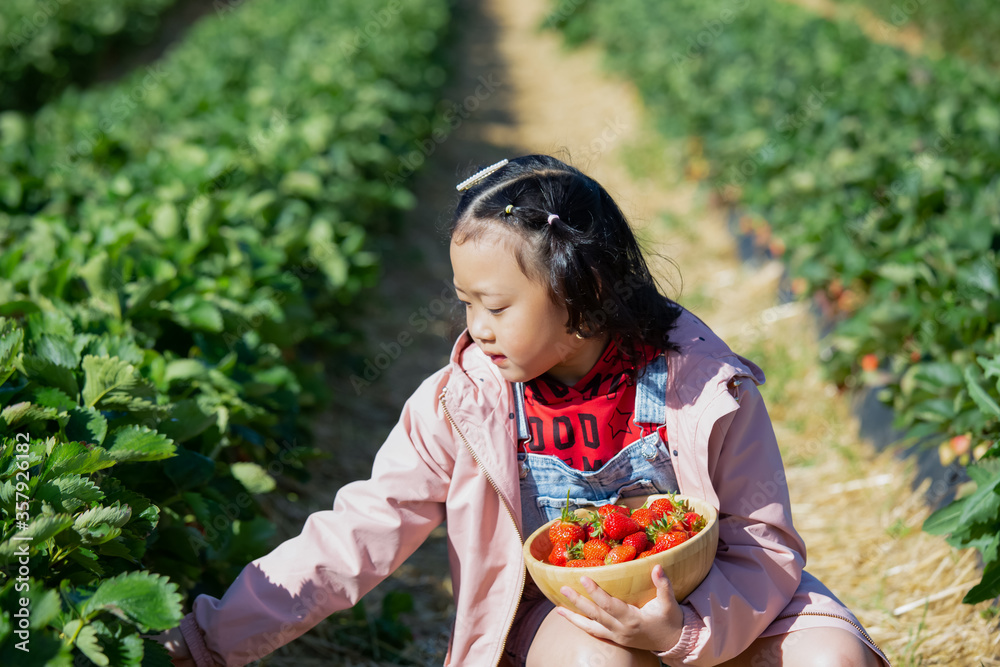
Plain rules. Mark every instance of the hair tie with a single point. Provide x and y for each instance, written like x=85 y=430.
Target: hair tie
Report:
x=509 y=210
x=553 y=216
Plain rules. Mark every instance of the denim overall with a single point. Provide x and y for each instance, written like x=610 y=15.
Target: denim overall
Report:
x=641 y=468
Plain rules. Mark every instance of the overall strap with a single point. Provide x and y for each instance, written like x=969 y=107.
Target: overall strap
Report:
x=522 y=418
x=651 y=392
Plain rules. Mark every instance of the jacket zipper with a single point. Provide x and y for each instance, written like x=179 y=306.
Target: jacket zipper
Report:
x=489 y=478
x=842 y=618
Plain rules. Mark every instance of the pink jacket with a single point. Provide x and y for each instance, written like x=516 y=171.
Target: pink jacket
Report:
x=451 y=457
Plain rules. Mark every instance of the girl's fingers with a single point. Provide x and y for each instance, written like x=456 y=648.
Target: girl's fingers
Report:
x=590 y=626
x=601 y=607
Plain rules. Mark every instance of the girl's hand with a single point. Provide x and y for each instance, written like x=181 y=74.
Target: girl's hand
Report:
x=654 y=627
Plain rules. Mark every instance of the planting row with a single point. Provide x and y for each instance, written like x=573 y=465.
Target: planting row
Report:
x=874 y=174
x=967 y=29
x=47 y=44
x=176 y=252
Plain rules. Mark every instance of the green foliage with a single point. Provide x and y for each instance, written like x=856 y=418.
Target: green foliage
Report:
x=171 y=265
x=967 y=29
x=47 y=45
x=877 y=171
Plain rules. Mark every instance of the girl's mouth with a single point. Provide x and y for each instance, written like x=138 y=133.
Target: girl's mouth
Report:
x=498 y=359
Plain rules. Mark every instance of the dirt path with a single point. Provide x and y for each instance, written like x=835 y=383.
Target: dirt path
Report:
x=856 y=511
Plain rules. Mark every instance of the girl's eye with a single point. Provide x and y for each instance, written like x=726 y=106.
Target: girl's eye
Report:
x=495 y=311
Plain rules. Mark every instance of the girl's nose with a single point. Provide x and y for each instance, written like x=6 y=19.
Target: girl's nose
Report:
x=479 y=326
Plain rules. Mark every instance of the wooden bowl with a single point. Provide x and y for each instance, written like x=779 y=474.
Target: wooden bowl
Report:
x=686 y=565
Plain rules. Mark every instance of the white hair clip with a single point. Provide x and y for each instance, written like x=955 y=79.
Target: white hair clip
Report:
x=479 y=175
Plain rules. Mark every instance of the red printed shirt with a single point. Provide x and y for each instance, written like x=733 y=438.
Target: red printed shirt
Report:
x=587 y=424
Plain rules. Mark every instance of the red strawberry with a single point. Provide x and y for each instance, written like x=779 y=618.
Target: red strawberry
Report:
x=670 y=540
x=660 y=507
x=618 y=526
x=584 y=562
x=567 y=528
x=620 y=554
x=558 y=554
x=566 y=531
x=604 y=510
x=693 y=522
x=643 y=517
x=647 y=552
x=595 y=549
x=637 y=540
x=665 y=524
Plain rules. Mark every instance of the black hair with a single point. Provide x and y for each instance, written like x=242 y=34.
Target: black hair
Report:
x=594 y=263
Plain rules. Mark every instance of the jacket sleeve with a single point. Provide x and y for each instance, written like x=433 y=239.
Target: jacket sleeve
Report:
x=341 y=554
x=760 y=557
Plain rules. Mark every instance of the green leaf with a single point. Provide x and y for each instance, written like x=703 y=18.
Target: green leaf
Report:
x=197 y=313
x=188 y=418
x=188 y=469
x=110 y=381
x=76 y=457
x=138 y=443
x=984 y=504
x=45 y=605
x=86 y=641
x=50 y=397
x=155 y=654
x=86 y=424
x=987 y=588
x=23 y=413
x=979 y=395
x=303 y=183
x=116 y=515
x=184 y=369
x=150 y=601
x=44 y=372
x=41 y=529
x=57 y=350
x=945 y=520
x=69 y=492
x=11 y=341
x=253 y=478
x=87 y=559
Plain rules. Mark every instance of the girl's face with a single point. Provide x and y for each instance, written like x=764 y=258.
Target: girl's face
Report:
x=511 y=317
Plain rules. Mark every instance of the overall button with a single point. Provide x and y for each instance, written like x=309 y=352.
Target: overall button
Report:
x=649 y=451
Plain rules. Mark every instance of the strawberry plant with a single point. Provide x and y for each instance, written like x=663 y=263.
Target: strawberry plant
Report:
x=872 y=173
x=48 y=45
x=171 y=274
x=967 y=29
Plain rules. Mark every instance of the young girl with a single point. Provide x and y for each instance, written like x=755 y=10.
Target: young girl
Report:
x=574 y=374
